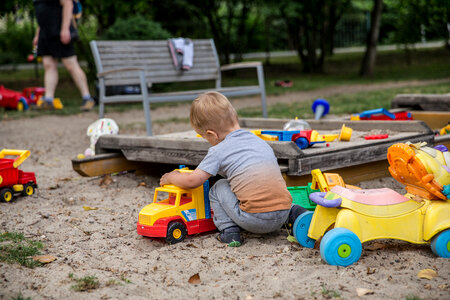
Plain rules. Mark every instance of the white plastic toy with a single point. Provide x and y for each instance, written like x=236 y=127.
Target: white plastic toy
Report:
x=97 y=129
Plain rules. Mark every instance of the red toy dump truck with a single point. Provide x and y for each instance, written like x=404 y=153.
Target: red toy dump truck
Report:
x=12 y=180
x=20 y=100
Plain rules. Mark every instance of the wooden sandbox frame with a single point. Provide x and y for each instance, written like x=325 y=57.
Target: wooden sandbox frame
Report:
x=356 y=160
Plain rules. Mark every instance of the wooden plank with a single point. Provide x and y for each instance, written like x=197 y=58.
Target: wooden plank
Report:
x=104 y=164
x=434 y=119
x=442 y=140
x=401 y=126
x=422 y=101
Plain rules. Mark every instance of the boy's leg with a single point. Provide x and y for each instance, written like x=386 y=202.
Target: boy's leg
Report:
x=222 y=202
x=227 y=212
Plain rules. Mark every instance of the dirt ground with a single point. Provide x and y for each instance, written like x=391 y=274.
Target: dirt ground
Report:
x=104 y=243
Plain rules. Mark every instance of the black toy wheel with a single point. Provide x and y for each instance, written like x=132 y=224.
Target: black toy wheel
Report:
x=28 y=189
x=176 y=232
x=6 y=195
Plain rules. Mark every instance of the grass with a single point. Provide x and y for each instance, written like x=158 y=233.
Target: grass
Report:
x=20 y=297
x=340 y=69
x=85 y=283
x=345 y=103
x=15 y=248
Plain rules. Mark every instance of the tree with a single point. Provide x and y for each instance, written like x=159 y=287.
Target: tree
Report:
x=368 y=62
x=311 y=25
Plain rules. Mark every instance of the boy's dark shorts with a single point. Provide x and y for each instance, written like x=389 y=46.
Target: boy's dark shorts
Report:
x=53 y=47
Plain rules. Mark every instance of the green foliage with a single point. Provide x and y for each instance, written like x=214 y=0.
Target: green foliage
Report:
x=85 y=283
x=136 y=28
x=14 y=247
x=345 y=104
x=20 y=297
x=16 y=37
x=408 y=21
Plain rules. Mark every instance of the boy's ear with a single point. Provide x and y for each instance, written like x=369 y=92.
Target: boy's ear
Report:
x=213 y=133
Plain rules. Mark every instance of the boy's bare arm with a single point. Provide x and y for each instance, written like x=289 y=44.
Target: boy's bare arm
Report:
x=185 y=180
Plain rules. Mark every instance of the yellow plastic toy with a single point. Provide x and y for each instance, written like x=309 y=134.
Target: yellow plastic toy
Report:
x=57 y=104
x=346 y=218
x=182 y=212
x=345 y=134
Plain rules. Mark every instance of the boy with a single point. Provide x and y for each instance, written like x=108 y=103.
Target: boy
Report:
x=253 y=195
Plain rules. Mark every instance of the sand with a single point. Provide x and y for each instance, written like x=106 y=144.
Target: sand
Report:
x=103 y=242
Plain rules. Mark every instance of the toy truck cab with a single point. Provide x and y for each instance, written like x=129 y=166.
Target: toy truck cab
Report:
x=176 y=212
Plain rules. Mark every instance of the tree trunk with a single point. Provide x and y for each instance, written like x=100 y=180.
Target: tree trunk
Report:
x=368 y=63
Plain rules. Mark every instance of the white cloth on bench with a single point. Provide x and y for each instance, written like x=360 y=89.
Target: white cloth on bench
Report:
x=182 y=52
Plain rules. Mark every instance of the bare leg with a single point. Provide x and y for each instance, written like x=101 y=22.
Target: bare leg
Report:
x=78 y=76
x=51 y=75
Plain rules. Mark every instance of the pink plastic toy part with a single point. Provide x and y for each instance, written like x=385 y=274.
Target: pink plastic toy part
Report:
x=376 y=136
x=383 y=196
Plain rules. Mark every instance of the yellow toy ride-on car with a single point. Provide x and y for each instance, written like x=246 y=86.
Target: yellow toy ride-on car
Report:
x=346 y=218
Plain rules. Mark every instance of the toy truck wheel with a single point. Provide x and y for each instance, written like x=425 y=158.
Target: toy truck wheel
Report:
x=340 y=247
x=302 y=143
x=440 y=245
x=176 y=232
x=301 y=227
x=6 y=195
x=28 y=189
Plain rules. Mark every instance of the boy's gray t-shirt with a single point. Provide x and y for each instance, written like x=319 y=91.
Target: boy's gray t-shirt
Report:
x=251 y=168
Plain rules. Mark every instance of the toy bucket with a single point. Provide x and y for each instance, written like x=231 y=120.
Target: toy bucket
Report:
x=346 y=133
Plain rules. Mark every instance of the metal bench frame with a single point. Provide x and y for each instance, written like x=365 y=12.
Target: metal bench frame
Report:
x=149 y=62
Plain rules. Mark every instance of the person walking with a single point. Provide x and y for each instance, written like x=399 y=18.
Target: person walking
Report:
x=54 y=42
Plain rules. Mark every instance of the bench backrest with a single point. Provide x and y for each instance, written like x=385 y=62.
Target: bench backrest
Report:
x=155 y=58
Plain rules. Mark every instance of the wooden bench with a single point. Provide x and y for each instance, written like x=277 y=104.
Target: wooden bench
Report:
x=145 y=63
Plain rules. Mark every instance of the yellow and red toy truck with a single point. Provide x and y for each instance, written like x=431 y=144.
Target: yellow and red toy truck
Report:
x=176 y=212
x=12 y=180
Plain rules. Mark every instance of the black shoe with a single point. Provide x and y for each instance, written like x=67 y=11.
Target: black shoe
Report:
x=231 y=236
x=296 y=210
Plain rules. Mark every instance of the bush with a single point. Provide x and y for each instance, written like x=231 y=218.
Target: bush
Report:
x=136 y=28
x=15 y=40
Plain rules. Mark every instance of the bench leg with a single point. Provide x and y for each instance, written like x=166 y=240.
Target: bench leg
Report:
x=146 y=103
x=262 y=86
x=101 y=103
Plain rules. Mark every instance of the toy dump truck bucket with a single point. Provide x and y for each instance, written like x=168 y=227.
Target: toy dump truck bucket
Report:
x=21 y=155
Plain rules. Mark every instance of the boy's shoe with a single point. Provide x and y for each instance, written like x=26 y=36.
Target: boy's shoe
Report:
x=88 y=105
x=294 y=213
x=230 y=236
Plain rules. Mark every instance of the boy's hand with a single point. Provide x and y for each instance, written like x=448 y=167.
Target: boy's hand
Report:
x=165 y=179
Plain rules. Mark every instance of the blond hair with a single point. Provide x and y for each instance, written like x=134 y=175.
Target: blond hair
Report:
x=212 y=111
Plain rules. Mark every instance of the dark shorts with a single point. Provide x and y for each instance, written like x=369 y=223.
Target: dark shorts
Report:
x=53 y=47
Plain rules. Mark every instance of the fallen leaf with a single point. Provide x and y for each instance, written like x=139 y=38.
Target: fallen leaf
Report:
x=291 y=239
x=375 y=246
x=362 y=292
x=194 y=279
x=443 y=286
x=45 y=259
x=190 y=245
x=427 y=286
x=427 y=274
x=89 y=207
x=106 y=180
x=371 y=270
x=142 y=184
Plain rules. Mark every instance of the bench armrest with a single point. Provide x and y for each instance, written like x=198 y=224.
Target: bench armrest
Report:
x=242 y=65
x=103 y=74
